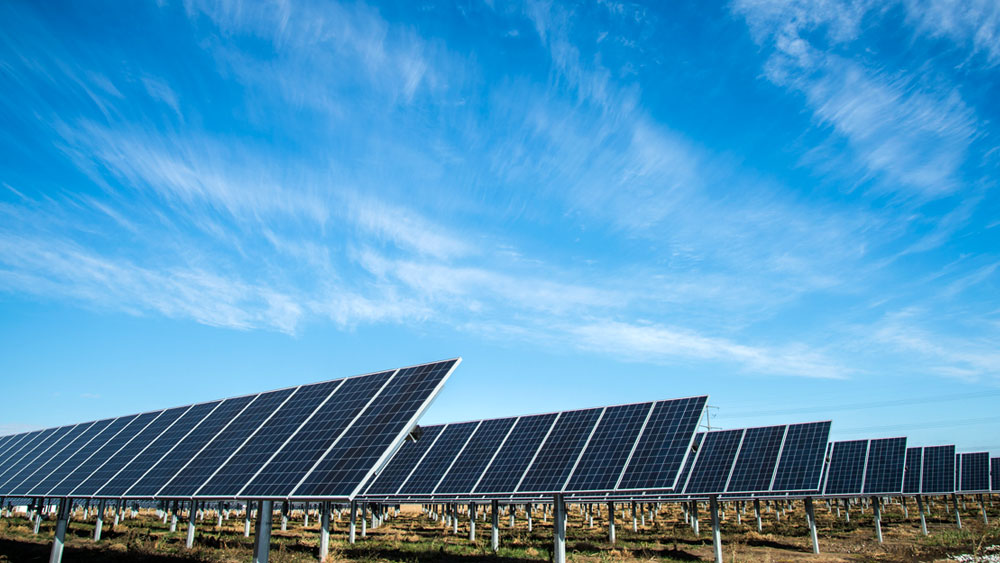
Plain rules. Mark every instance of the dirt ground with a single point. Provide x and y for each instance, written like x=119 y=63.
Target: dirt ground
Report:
x=413 y=537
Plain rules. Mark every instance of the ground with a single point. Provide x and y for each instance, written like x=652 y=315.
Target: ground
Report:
x=412 y=537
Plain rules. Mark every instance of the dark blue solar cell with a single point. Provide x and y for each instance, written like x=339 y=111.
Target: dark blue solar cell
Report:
x=801 y=465
x=294 y=460
x=52 y=448
x=172 y=462
x=757 y=460
x=886 y=462
x=975 y=472
x=557 y=456
x=685 y=473
x=402 y=464
x=352 y=460
x=663 y=444
x=429 y=471
x=217 y=451
x=96 y=436
x=846 y=473
x=517 y=452
x=134 y=425
x=149 y=457
x=604 y=459
x=251 y=457
x=128 y=452
x=471 y=463
x=995 y=473
x=939 y=470
x=7 y=443
x=911 y=479
x=27 y=451
x=714 y=462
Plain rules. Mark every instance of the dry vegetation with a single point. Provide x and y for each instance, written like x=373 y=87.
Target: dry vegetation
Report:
x=412 y=537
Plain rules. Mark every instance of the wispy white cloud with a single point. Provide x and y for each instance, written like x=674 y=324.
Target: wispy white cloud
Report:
x=971 y=24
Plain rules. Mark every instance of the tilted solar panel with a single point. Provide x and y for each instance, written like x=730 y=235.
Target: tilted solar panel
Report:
x=938 y=475
x=609 y=447
x=516 y=454
x=685 y=472
x=428 y=472
x=391 y=478
x=846 y=472
x=995 y=473
x=886 y=462
x=914 y=465
x=663 y=445
x=757 y=459
x=800 y=466
x=312 y=441
x=558 y=455
x=714 y=462
x=974 y=472
x=470 y=464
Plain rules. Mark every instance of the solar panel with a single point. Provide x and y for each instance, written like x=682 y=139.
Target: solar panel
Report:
x=914 y=463
x=294 y=460
x=974 y=474
x=663 y=445
x=800 y=466
x=469 y=465
x=391 y=478
x=757 y=459
x=609 y=447
x=886 y=461
x=938 y=475
x=284 y=442
x=995 y=473
x=428 y=472
x=558 y=456
x=714 y=462
x=689 y=462
x=517 y=452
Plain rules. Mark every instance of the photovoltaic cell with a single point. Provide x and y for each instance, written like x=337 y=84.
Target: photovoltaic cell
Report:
x=513 y=458
x=355 y=457
x=995 y=473
x=975 y=472
x=188 y=447
x=430 y=469
x=391 y=478
x=609 y=447
x=556 y=458
x=55 y=445
x=244 y=464
x=886 y=461
x=200 y=468
x=26 y=452
x=128 y=452
x=938 y=470
x=846 y=472
x=294 y=460
x=757 y=460
x=156 y=449
x=101 y=431
x=134 y=425
x=801 y=464
x=713 y=462
x=472 y=461
x=663 y=444
x=911 y=479
x=685 y=473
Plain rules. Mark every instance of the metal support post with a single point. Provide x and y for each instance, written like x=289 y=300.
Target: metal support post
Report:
x=62 y=522
x=611 y=523
x=192 y=515
x=982 y=508
x=364 y=522
x=811 y=518
x=958 y=517
x=354 y=517
x=923 y=520
x=694 y=517
x=495 y=525
x=635 y=520
x=877 y=513
x=559 y=549
x=756 y=513
x=324 y=531
x=246 y=520
x=262 y=534
x=472 y=522
x=713 y=507
x=527 y=512
x=99 y=523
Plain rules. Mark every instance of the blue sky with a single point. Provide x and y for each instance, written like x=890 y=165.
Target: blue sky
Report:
x=789 y=205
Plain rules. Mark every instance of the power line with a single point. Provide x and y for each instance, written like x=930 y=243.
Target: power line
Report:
x=919 y=426
x=860 y=406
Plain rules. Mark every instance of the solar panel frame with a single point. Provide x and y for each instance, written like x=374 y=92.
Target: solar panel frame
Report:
x=654 y=465
x=800 y=466
x=471 y=464
x=995 y=474
x=974 y=472
x=938 y=470
x=515 y=455
x=604 y=458
x=714 y=462
x=912 y=472
x=433 y=466
x=556 y=458
x=757 y=460
x=395 y=473
x=846 y=469
x=884 y=470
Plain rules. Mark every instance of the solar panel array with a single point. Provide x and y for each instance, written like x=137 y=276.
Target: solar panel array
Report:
x=866 y=467
x=619 y=448
x=312 y=441
x=973 y=472
x=937 y=474
x=753 y=460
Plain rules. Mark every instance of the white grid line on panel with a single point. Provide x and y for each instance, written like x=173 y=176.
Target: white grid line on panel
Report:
x=635 y=444
x=584 y=450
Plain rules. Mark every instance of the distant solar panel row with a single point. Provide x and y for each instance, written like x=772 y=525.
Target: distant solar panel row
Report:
x=866 y=467
x=619 y=448
x=313 y=441
x=973 y=472
x=763 y=460
x=995 y=474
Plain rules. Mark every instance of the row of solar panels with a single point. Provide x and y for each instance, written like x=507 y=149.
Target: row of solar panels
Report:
x=313 y=441
x=585 y=459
